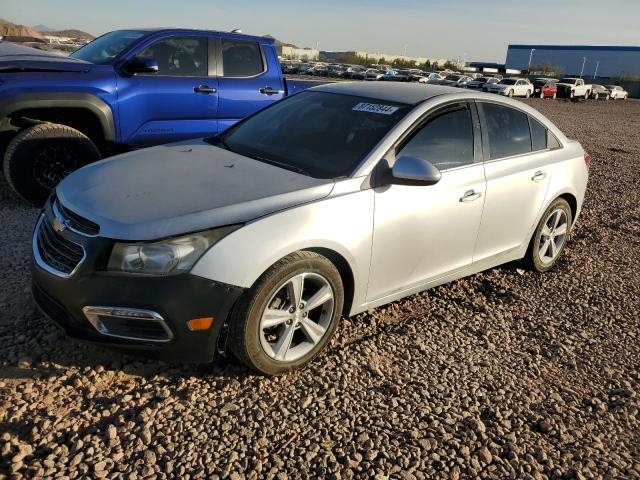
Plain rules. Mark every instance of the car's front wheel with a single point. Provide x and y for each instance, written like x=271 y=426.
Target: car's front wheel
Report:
x=550 y=236
x=39 y=157
x=289 y=315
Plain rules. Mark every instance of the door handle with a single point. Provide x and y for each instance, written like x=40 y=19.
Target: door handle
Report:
x=470 y=196
x=269 y=91
x=539 y=175
x=204 y=89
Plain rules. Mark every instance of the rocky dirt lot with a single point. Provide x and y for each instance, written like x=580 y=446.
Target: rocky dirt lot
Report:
x=506 y=374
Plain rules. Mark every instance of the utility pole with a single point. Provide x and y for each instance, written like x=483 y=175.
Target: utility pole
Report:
x=530 y=57
x=584 y=61
x=595 y=75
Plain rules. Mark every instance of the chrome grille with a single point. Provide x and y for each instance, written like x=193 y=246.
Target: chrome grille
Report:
x=74 y=221
x=56 y=252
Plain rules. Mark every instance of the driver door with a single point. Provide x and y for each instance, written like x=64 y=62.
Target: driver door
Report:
x=422 y=233
x=177 y=103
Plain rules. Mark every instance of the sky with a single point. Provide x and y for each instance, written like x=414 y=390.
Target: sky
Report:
x=471 y=30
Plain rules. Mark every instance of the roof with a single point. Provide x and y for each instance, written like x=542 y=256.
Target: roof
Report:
x=196 y=31
x=409 y=93
x=576 y=47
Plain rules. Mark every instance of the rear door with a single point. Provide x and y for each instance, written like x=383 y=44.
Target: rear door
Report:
x=517 y=172
x=178 y=102
x=249 y=79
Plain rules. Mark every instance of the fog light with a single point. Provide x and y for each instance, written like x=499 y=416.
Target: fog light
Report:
x=200 y=323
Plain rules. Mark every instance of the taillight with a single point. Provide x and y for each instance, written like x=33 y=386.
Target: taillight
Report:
x=587 y=159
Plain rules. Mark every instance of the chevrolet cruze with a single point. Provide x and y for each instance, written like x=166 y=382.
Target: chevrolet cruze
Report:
x=331 y=202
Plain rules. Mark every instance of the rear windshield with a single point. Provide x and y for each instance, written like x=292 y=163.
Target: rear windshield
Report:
x=319 y=134
x=105 y=49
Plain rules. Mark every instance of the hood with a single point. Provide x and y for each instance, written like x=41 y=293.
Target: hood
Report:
x=24 y=59
x=181 y=188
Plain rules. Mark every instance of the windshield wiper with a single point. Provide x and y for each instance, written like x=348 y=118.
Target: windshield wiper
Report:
x=286 y=166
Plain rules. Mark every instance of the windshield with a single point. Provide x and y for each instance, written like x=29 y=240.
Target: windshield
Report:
x=320 y=134
x=508 y=81
x=107 y=47
x=568 y=80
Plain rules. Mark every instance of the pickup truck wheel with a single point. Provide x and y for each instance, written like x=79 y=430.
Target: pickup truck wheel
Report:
x=40 y=156
x=550 y=237
x=289 y=315
x=572 y=95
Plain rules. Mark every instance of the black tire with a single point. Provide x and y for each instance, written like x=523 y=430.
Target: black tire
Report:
x=38 y=157
x=244 y=325
x=532 y=259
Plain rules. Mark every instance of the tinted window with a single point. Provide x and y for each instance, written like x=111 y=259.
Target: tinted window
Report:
x=107 y=47
x=538 y=135
x=508 y=81
x=179 y=56
x=324 y=135
x=241 y=59
x=552 y=141
x=507 y=129
x=446 y=140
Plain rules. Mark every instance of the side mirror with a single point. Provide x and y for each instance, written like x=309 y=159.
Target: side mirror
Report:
x=414 y=171
x=140 y=65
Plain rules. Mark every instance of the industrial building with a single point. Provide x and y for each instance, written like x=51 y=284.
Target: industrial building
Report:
x=384 y=57
x=582 y=60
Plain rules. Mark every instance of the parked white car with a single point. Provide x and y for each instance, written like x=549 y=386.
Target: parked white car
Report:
x=432 y=78
x=511 y=87
x=618 y=92
x=574 y=87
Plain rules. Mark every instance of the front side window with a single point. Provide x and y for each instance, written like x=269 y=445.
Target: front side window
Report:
x=241 y=59
x=320 y=134
x=446 y=140
x=103 y=50
x=507 y=129
x=179 y=56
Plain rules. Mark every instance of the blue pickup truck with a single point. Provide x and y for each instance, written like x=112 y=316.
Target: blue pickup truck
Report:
x=127 y=89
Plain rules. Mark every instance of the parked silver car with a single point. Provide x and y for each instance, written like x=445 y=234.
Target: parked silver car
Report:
x=332 y=202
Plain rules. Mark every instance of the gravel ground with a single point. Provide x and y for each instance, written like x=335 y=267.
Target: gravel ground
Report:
x=505 y=374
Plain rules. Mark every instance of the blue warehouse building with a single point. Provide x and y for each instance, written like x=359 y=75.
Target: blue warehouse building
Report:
x=603 y=61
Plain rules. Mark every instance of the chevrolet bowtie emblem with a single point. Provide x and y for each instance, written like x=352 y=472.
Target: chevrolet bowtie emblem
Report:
x=58 y=226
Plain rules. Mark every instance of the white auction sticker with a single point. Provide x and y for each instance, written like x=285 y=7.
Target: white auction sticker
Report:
x=375 y=108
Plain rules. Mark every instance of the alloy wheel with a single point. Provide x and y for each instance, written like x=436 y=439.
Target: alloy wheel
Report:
x=553 y=236
x=297 y=317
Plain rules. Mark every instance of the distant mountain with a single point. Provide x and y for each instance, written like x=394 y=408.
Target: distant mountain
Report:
x=42 y=28
x=72 y=33
x=12 y=30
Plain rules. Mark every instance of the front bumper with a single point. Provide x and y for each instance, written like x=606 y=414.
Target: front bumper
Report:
x=176 y=299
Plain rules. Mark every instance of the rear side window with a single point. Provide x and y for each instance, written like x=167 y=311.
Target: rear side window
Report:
x=507 y=129
x=538 y=135
x=446 y=140
x=552 y=141
x=241 y=59
x=179 y=56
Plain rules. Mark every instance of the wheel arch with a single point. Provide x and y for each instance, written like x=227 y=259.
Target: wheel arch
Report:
x=345 y=271
x=572 y=201
x=56 y=107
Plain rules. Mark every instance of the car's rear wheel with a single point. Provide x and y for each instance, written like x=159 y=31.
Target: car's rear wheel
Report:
x=555 y=95
x=607 y=97
x=39 y=157
x=596 y=96
x=510 y=94
x=289 y=315
x=527 y=94
x=550 y=237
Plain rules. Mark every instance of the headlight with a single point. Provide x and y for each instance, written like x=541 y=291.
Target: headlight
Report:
x=170 y=256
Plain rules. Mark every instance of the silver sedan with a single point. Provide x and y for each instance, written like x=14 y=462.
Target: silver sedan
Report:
x=329 y=203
